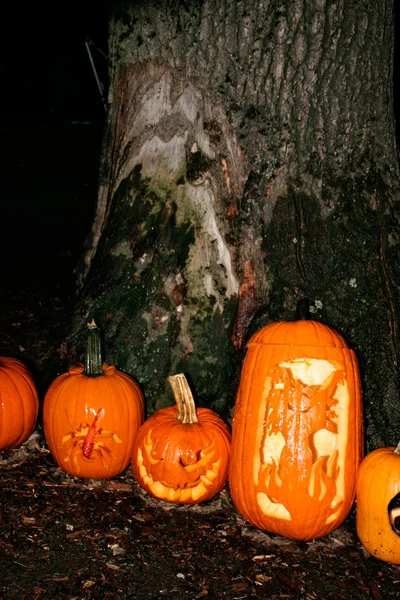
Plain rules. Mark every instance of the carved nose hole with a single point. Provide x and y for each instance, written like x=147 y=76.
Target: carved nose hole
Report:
x=394 y=514
x=190 y=458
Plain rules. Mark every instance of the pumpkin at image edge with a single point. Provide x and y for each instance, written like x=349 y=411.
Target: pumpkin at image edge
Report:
x=91 y=415
x=182 y=455
x=19 y=403
x=297 y=433
x=378 y=484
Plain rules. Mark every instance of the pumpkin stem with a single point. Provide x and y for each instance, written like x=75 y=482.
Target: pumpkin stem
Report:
x=397 y=449
x=184 y=399
x=93 y=362
x=303 y=310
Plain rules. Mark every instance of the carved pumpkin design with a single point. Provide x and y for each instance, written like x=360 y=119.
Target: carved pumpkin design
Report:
x=180 y=455
x=297 y=430
x=19 y=403
x=91 y=415
x=378 y=504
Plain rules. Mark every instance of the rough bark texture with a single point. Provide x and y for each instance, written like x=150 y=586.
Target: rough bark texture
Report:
x=250 y=161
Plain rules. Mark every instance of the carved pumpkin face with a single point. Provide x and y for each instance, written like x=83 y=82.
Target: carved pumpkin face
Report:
x=183 y=463
x=297 y=432
x=378 y=506
x=19 y=403
x=90 y=422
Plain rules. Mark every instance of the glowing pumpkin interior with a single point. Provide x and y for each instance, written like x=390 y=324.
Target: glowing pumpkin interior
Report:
x=175 y=473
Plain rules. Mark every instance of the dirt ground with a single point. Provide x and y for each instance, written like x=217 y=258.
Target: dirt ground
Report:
x=65 y=538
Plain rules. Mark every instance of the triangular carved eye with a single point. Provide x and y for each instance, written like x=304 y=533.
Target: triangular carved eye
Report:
x=394 y=514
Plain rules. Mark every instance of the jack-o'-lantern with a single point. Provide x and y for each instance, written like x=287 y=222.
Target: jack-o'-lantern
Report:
x=297 y=430
x=19 y=403
x=182 y=455
x=378 y=504
x=91 y=415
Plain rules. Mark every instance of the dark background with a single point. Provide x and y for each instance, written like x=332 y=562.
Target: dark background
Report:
x=51 y=126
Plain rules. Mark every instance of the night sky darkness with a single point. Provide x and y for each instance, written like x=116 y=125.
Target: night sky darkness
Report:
x=47 y=77
x=52 y=120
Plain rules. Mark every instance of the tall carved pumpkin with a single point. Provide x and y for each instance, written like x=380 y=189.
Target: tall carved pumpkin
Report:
x=19 y=403
x=297 y=430
x=182 y=455
x=378 y=504
x=91 y=415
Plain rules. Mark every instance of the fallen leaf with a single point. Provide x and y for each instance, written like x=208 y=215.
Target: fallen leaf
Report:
x=119 y=487
x=263 y=578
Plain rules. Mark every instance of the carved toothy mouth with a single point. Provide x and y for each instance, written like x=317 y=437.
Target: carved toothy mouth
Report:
x=191 y=491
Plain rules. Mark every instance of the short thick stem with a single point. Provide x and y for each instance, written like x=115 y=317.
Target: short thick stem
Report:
x=303 y=309
x=184 y=399
x=397 y=449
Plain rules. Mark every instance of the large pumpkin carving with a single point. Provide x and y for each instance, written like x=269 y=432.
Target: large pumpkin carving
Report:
x=378 y=504
x=180 y=455
x=19 y=403
x=297 y=430
x=91 y=415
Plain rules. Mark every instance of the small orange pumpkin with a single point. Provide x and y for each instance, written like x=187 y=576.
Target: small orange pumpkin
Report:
x=91 y=415
x=297 y=430
x=181 y=455
x=378 y=506
x=19 y=403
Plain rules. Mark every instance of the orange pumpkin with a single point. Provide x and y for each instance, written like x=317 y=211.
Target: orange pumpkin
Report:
x=378 y=506
x=181 y=455
x=91 y=415
x=297 y=430
x=19 y=403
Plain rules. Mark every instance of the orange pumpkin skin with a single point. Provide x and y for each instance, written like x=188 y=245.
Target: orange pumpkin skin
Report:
x=19 y=403
x=378 y=482
x=297 y=437
x=182 y=463
x=90 y=422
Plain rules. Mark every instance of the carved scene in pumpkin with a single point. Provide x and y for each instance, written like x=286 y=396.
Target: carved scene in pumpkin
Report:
x=303 y=402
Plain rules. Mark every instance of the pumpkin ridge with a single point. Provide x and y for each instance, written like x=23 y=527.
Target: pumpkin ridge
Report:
x=237 y=480
x=16 y=417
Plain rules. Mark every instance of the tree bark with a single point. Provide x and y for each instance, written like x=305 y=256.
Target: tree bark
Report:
x=250 y=161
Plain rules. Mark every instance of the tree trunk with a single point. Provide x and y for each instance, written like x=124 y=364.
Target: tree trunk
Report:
x=250 y=160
